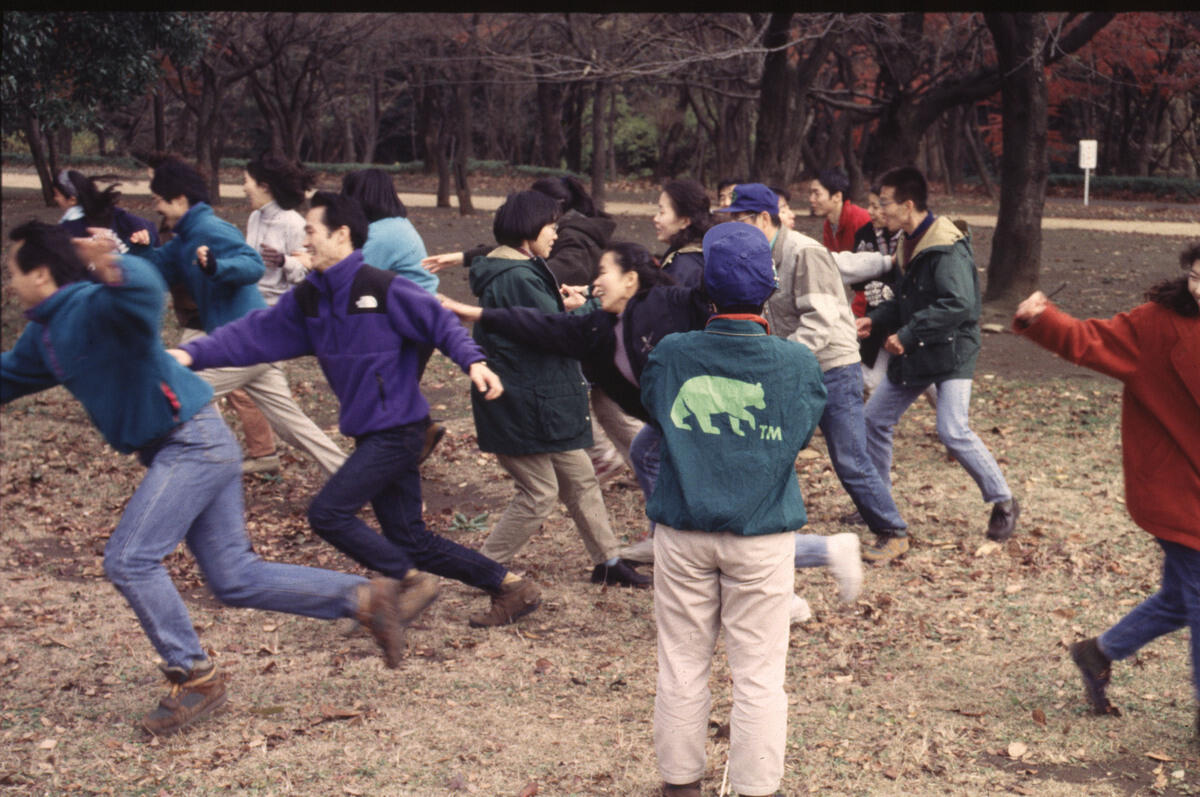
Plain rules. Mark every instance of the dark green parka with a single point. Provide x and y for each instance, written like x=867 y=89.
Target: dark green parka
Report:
x=544 y=407
x=935 y=311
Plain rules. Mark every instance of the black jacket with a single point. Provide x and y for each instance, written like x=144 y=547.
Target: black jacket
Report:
x=649 y=317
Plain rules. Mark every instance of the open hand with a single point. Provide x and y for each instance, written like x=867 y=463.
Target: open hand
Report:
x=467 y=313
x=181 y=356
x=435 y=263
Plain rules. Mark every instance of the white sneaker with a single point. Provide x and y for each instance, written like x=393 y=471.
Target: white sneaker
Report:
x=640 y=551
x=845 y=562
x=800 y=610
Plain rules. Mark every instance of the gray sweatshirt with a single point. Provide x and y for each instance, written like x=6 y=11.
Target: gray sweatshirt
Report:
x=283 y=230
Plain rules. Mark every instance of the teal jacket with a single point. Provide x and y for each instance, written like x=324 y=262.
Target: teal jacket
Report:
x=395 y=245
x=735 y=406
x=102 y=343
x=935 y=311
x=544 y=407
x=223 y=293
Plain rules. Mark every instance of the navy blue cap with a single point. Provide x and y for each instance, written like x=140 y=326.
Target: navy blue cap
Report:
x=752 y=198
x=737 y=265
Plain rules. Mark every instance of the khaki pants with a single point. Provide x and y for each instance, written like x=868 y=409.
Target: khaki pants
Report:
x=267 y=385
x=703 y=582
x=542 y=481
x=260 y=440
x=612 y=429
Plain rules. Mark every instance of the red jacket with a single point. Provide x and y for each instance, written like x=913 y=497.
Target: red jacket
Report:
x=851 y=219
x=1156 y=353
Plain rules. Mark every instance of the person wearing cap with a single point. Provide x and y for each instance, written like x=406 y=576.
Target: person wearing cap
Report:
x=810 y=307
x=735 y=406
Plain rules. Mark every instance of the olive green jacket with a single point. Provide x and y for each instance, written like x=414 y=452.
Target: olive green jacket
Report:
x=935 y=311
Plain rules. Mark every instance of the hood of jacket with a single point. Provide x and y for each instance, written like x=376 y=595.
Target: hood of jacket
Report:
x=942 y=233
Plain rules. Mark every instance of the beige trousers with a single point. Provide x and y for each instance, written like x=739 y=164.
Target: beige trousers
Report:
x=267 y=385
x=612 y=429
x=703 y=582
x=542 y=481
x=260 y=440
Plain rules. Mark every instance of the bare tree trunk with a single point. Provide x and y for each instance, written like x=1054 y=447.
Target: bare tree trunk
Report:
x=33 y=137
x=977 y=157
x=771 y=134
x=160 y=126
x=462 y=115
x=550 y=112
x=574 y=126
x=1013 y=269
x=611 y=149
x=598 y=95
x=52 y=151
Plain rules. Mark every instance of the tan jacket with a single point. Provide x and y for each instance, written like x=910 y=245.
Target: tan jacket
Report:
x=810 y=306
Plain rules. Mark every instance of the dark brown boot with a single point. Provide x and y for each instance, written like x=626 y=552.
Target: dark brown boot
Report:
x=681 y=789
x=194 y=693
x=510 y=603
x=1096 y=669
x=379 y=611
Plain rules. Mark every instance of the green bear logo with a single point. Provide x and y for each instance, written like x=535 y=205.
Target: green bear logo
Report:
x=705 y=396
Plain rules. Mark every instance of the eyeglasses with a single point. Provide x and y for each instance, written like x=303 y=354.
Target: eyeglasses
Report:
x=884 y=202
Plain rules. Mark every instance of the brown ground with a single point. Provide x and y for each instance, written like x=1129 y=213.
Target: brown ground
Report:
x=948 y=676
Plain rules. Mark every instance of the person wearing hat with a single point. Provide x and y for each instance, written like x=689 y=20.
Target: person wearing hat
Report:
x=810 y=307
x=735 y=405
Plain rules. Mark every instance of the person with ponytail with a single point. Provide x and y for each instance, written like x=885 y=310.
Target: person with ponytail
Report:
x=88 y=209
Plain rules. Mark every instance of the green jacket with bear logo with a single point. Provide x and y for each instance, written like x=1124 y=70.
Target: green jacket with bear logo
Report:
x=735 y=406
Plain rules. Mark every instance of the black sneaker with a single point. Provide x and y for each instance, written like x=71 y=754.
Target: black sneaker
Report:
x=1096 y=669
x=1003 y=522
x=194 y=694
x=620 y=574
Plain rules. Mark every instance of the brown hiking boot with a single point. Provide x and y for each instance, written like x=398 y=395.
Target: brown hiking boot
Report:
x=194 y=693
x=417 y=591
x=886 y=548
x=681 y=789
x=379 y=611
x=1096 y=669
x=510 y=603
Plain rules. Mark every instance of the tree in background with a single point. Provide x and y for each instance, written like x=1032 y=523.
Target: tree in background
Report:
x=60 y=69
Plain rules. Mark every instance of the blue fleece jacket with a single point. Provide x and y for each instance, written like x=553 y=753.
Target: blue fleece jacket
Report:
x=367 y=328
x=394 y=244
x=224 y=291
x=102 y=343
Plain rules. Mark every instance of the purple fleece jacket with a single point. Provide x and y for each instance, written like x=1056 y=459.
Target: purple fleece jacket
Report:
x=368 y=328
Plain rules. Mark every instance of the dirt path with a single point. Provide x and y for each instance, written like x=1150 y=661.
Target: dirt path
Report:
x=645 y=209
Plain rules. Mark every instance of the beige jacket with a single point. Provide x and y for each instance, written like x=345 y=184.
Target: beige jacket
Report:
x=810 y=306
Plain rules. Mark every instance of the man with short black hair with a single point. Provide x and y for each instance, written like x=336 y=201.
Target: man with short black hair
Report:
x=100 y=339
x=211 y=259
x=932 y=329
x=367 y=328
x=829 y=198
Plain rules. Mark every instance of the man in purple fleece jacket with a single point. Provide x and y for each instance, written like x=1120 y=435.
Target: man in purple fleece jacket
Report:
x=366 y=327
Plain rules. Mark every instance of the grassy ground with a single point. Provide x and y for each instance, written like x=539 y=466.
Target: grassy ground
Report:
x=949 y=676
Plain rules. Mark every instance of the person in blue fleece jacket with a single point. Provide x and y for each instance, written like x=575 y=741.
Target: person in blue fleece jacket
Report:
x=100 y=340
x=367 y=328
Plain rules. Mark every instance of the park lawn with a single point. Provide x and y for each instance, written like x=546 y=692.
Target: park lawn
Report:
x=949 y=675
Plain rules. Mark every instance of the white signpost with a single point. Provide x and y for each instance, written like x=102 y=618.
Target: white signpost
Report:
x=1087 y=162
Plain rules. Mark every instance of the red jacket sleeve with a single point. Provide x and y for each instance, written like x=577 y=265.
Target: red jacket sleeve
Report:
x=1108 y=346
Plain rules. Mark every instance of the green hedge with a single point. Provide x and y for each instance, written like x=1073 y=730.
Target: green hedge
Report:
x=493 y=168
x=1176 y=188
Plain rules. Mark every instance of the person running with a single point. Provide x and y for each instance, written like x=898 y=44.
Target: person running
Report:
x=100 y=340
x=211 y=260
x=367 y=328
x=1154 y=350
x=275 y=188
x=539 y=429
x=88 y=209
x=735 y=405
x=829 y=198
x=810 y=307
x=931 y=329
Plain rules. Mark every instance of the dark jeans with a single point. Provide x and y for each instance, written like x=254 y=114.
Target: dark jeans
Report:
x=383 y=470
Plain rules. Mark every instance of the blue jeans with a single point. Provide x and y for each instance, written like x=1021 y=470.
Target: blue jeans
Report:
x=888 y=403
x=843 y=426
x=383 y=471
x=812 y=550
x=644 y=455
x=192 y=492
x=1176 y=604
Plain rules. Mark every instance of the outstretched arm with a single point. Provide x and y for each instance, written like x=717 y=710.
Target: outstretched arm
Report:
x=1109 y=346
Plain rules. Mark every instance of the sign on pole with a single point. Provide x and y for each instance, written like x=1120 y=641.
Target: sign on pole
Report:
x=1087 y=162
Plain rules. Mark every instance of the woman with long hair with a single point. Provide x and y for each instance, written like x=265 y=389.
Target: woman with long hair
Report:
x=87 y=208
x=1154 y=350
x=393 y=243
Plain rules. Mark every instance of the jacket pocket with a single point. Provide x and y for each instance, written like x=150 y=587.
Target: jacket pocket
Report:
x=932 y=356
x=560 y=415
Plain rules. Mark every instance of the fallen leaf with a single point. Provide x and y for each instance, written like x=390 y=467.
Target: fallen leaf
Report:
x=987 y=548
x=47 y=744
x=542 y=666
x=530 y=789
x=1039 y=717
x=1159 y=757
x=1017 y=749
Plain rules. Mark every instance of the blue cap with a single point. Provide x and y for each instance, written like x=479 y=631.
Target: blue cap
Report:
x=752 y=198
x=737 y=265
